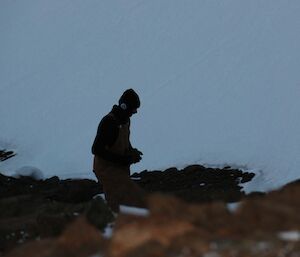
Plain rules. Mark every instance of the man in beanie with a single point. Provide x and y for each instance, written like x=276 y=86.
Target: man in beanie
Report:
x=113 y=154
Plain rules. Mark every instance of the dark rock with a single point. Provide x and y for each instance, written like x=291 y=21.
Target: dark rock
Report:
x=170 y=170
x=75 y=190
x=5 y=155
x=247 y=176
x=175 y=226
x=195 y=183
x=70 y=190
x=26 y=217
x=98 y=214
x=52 y=181
x=256 y=194
x=33 y=208
x=78 y=240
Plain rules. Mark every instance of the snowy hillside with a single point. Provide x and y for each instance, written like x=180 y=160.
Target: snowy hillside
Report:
x=219 y=83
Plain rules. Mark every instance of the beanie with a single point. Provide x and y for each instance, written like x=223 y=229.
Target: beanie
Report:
x=131 y=99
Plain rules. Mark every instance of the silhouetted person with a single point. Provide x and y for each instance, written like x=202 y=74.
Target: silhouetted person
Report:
x=113 y=154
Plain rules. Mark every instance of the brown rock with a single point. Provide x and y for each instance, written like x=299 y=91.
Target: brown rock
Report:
x=133 y=232
x=277 y=211
x=81 y=239
x=210 y=216
x=194 y=243
x=43 y=248
x=149 y=249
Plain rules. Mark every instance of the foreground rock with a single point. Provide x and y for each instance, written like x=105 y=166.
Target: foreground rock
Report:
x=78 y=239
x=262 y=226
x=268 y=226
x=37 y=210
x=33 y=210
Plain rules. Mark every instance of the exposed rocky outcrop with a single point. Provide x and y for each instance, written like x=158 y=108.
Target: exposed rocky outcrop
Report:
x=36 y=209
x=188 y=216
x=262 y=226
x=196 y=183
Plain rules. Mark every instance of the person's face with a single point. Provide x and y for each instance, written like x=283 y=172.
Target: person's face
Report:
x=134 y=111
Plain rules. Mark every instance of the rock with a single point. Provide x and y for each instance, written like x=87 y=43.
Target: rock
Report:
x=138 y=232
x=78 y=240
x=148 y=249
x=52 y=180
x=32 y=208
x=278 y=210
x=195 y=183
x=247 y=176
x=44 y=248
x=36 y=216
x=75 y=190
x=89 y=241
x=196 y=214
x=5 y=155
x=98 y=214
x=174 y=226
x=210 y=229
x=70 y=190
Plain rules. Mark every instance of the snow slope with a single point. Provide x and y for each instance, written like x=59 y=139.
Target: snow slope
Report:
x=219 y=82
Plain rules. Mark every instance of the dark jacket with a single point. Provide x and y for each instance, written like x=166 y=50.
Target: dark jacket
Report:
x=107 y=135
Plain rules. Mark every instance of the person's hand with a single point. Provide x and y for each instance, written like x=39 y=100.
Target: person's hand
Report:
x=138 y=151
x=135 y=155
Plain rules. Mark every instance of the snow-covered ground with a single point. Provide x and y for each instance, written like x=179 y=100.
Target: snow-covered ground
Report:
x=219 y=83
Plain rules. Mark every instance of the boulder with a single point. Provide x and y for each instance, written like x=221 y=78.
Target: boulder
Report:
x=79 y=239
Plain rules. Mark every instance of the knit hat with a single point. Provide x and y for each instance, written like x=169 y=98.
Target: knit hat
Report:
x=129 y=100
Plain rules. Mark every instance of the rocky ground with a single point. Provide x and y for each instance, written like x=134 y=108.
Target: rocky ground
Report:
x=188 y=216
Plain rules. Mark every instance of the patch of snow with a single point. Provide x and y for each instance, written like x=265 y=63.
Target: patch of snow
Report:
x=232 y=207
x=136 y=178
x=134 y=210
x=108 y=231
x=293 y=236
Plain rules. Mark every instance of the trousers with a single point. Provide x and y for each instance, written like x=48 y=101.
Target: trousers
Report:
x=118 y=187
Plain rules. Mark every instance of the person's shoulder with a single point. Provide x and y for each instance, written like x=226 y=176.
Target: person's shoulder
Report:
x=108 y=120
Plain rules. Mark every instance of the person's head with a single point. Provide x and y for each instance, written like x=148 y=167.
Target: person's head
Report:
x=129 y=102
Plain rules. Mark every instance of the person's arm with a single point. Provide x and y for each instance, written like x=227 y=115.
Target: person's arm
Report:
x=107 y=134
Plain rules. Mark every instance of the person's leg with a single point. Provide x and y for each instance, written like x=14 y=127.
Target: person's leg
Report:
x=118 y=187
x=109 y=184
x=129 y=193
